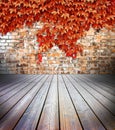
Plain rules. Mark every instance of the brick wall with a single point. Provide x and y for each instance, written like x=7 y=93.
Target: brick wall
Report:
x=18 y=54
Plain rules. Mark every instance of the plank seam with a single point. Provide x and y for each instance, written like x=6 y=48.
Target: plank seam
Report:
x=43 y=104
x=19 y=100
x=73 y=104
x=88 y=104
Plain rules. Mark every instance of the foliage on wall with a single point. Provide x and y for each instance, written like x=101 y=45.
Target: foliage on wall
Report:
x=64 y=21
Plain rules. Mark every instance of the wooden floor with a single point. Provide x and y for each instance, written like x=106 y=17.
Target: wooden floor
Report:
x=57 y=102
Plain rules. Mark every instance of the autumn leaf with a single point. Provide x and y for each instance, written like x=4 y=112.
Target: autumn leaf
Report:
x=39 y=58
x=63 y=22
x=65 y=15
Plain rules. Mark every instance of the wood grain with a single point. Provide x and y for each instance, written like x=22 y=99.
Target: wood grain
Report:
x=57 y=102
x=68 y=117
x=86 y=115
x=49 y=119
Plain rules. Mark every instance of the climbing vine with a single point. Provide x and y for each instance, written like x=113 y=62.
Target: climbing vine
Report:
x=64 y=21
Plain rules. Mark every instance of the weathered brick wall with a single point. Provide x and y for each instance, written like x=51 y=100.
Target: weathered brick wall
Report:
x=18 y=54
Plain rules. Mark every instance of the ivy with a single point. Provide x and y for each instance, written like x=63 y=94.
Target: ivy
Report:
x=64 y=21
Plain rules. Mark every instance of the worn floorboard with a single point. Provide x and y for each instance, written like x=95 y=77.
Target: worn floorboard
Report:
x=57 y=102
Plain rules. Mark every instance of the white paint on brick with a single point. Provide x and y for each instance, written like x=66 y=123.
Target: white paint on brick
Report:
x=2 y=40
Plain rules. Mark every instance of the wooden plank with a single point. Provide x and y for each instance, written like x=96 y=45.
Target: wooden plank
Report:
x=68 y=117
x=103 y=100
x=49 y=118
x=8 y=93
x=104 y=87
x=7 y=85
x=88 y=119
x=31 y=116
x=79 y=97
x=107 y=79
x=8 y=89
x=98 y=89
x=17 y=111
x=101 y=112
x=14 y=99
x=101 y=80
x=5 y=81
x=10 y=78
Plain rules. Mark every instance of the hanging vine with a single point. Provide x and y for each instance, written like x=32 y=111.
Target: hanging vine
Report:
x=64 y=21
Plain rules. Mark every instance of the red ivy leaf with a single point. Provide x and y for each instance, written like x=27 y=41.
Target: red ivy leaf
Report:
x=63 y=22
